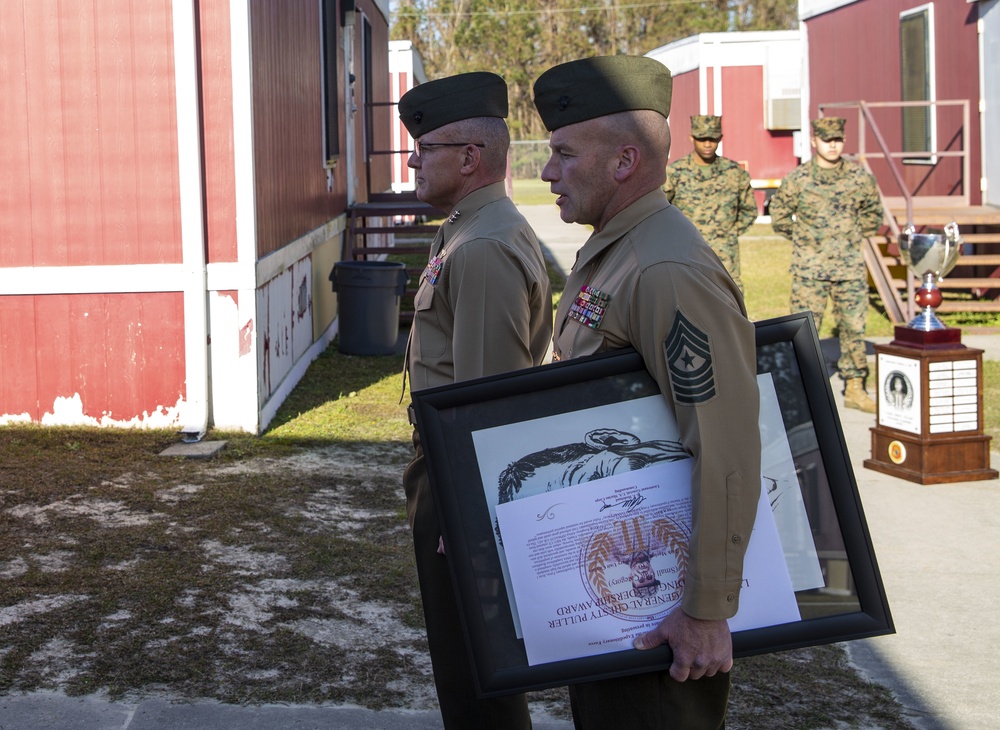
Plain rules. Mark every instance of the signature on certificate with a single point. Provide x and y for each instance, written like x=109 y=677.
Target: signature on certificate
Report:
x=626 y=504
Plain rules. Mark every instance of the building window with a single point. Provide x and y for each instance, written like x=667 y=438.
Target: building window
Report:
x=331 y=108
x=916 y=56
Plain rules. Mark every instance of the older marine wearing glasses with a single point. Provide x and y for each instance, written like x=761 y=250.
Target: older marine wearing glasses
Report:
x=483 y=306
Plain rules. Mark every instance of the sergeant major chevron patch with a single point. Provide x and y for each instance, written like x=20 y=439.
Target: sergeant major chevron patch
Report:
x=689 y=359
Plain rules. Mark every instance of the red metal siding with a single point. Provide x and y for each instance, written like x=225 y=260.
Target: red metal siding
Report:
x=868 y=69
x=683 y=104
x=768 y=154
x=744 y=137
x=90 y=161
x=18 y=358
x=291 y=187
x=380 y=166
x=122 y=354
x=89 y=155
x=217 y=112
x=405 y=174
x=15 y=227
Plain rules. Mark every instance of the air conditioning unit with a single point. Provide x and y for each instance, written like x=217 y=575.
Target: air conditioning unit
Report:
x=784 y=113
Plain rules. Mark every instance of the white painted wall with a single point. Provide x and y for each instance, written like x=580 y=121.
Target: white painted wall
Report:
x=989 y=75
x=404 y=63
x=811 y=8
x=778 y=53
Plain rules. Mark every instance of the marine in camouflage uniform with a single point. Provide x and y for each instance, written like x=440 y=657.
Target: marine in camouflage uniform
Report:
x=826 y=206
x=713 y=192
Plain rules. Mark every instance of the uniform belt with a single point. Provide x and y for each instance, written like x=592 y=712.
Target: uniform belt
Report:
x=411 y=414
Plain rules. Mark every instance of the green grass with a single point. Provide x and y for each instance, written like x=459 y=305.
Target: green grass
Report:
x=366 y=406
x=764 y=260
x=153 y=611
x=532 y=192
x=991 y=400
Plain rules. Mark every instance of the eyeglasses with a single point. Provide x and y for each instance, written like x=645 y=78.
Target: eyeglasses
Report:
x=419 y=147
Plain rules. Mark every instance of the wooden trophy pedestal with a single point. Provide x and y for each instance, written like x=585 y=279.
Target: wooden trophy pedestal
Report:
x=930 y=462
x=930 y=409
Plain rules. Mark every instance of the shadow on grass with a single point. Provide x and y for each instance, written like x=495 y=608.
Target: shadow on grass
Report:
x=351 y=398
x=345 y=397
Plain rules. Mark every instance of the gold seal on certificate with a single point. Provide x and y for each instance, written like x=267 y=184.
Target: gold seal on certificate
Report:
x=634 y=569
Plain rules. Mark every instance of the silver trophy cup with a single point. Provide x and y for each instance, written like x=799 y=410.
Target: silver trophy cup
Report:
x=931 y=257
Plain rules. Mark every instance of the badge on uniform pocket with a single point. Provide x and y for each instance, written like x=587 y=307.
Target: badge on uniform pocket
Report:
x=433 y=270
x=589 y=306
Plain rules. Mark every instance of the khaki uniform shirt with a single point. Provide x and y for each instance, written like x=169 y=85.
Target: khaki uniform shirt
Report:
x=668 y=296
x=484 y=304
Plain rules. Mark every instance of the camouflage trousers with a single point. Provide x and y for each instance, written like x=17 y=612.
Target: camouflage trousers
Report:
x=729 y=253
x=850 y=306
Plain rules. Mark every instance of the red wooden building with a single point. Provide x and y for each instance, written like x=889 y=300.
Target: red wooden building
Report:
x=919 y=84
x=754 y=81
x=176 y=176
x=923 y=67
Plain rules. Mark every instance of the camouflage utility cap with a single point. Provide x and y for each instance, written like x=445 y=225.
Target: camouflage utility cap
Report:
x=827 y=128
x=705 y=126
x=466 y=96
x=595 y=87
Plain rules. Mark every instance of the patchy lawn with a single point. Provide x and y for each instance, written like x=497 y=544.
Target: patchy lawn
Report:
x=278 y=571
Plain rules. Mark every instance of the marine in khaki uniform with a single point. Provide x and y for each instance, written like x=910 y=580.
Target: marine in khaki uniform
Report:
x=714 y=193
x=826 y=207
x=646 y=278
x=483 y=306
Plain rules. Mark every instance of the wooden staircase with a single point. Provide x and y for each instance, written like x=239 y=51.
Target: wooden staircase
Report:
x=370 y=224
x=392 y=224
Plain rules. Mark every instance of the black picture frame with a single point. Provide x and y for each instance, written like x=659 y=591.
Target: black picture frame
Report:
x=788 y=349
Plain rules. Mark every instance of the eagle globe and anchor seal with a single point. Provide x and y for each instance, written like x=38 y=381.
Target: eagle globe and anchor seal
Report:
x=634 y=569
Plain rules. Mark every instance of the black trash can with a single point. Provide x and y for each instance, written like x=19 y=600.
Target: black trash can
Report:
x=368 y=294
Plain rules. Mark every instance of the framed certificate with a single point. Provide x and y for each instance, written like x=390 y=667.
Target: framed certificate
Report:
x=563 y=494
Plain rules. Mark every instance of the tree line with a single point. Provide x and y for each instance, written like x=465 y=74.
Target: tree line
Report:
x=519 y=39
